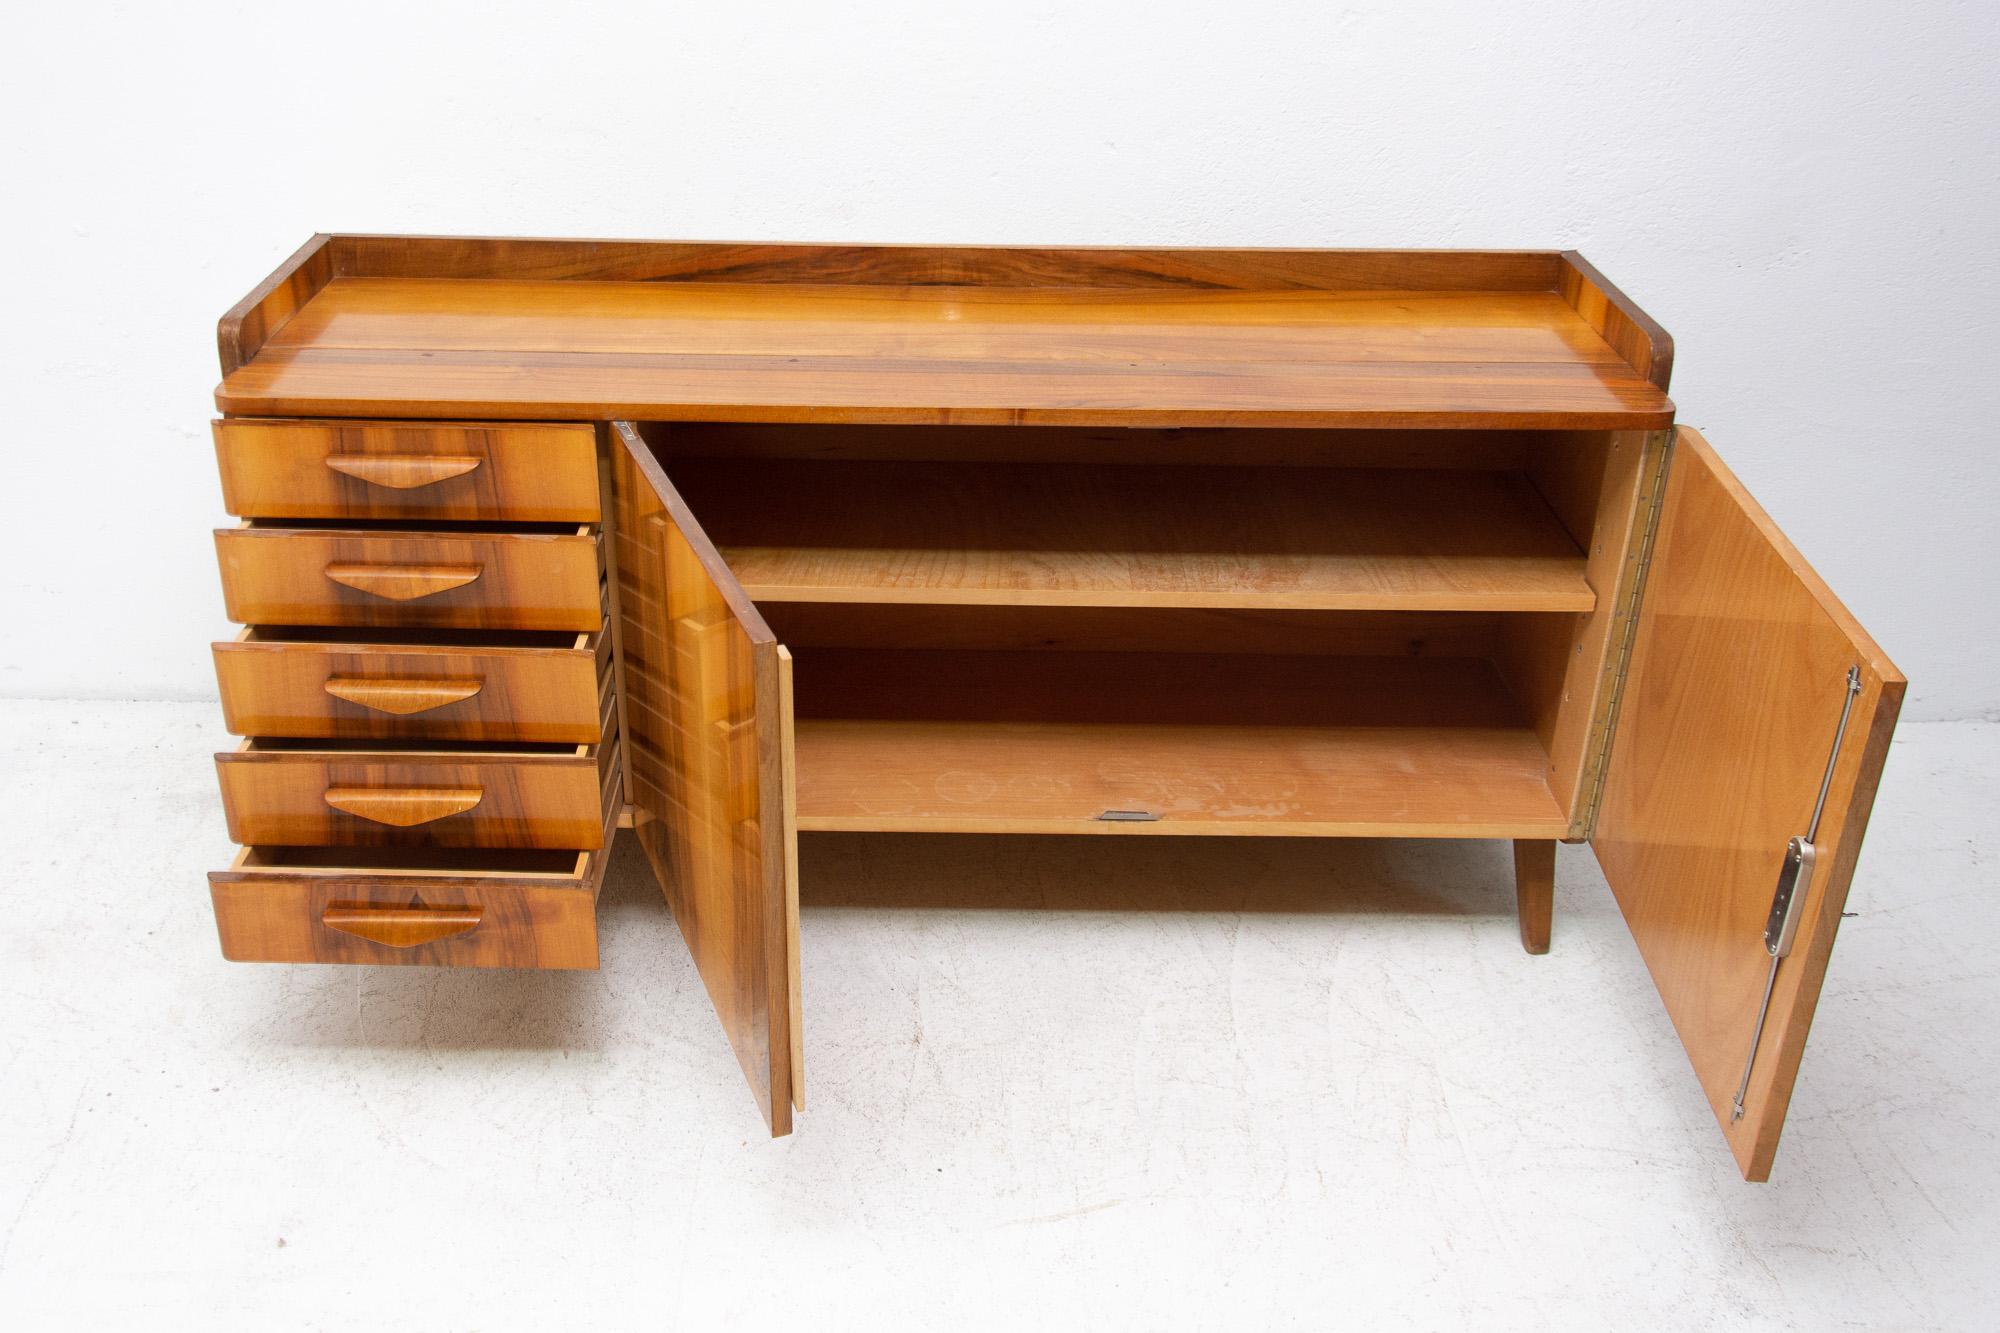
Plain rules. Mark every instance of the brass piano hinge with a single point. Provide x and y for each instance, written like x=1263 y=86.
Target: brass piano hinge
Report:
x=1795 y=872
x=1625 y=626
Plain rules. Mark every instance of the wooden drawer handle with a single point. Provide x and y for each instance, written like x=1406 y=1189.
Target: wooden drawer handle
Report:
x=400 y=696
x=404 y=807
x=403 y=472
x=400 y=927
x=403 y=583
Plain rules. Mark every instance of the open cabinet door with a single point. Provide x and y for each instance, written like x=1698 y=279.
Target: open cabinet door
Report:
x=707 y=720
x=1737 y=688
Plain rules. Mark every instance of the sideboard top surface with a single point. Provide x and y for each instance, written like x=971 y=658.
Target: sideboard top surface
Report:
x=452 y=327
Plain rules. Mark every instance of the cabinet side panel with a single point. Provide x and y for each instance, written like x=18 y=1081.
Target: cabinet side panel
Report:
x=1565 y=669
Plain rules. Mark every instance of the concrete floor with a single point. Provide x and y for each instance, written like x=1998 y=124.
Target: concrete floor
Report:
x=1093 y=1082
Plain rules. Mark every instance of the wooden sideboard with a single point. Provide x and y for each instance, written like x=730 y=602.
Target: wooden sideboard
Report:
x=543 y=538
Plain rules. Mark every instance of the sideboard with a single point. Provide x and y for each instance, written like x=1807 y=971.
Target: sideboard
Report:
x=719 y=543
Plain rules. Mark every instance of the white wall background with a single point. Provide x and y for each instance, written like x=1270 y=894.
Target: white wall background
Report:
x=1803 y=193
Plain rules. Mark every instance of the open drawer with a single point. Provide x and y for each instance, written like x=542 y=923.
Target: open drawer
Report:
x=409 y=906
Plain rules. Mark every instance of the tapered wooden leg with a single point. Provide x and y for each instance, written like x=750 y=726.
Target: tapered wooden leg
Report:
x=1535 y=891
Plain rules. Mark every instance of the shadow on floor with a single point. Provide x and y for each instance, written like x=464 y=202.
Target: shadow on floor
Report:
x=645 y=967
x=1154 y=873
x=470 y=1010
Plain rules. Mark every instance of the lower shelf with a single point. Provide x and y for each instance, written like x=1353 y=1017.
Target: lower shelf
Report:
x=1027 y=742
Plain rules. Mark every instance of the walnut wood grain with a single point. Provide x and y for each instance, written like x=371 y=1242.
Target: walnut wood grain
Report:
x=401 y=695
x=429 y=348
x=1630 y=331
x=275 y=575
x=240 y=334
x=332 y=685
x=1154 y=630
x=1490 y=450
x=930 y=335
x=406 y=473
x=1041 y=535
x=456 y=471
x=298 y=796
x=703 y=714
x=403 y=807
x=1211 y=744
x=401 y=583
x=942 y=265
x=357 y=905
x=944 y=681
x=1733 y=699
x=400 y=927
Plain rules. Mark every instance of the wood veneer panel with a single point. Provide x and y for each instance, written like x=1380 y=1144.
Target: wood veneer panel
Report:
x=306 y=797
x=1628 y=329
x=1734 y=697
x=275 y=686
x=431 y=347
x=241 y=333
x=702 y=711
x=874 y=324
x=1126 y=630
x=302 y=905
x=941 y=265
x=353 y=575
x=1027 y=534
x=1047 y=742
x=1493 y=450
x=408 y=470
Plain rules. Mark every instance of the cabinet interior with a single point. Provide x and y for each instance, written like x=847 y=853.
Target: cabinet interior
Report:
x=1190 y=631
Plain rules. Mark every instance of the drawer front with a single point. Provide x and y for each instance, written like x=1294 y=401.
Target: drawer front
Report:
x=408 y=469
x=503 y=580
x=508 y=917
x=276 y=687
x=386 y=798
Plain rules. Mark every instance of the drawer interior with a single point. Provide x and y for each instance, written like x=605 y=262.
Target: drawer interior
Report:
x=418 y=527
x=455 y=862
x=364 y=748
x=390 y=637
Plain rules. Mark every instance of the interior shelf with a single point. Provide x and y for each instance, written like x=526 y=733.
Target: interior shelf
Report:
x=1318 y=538
x=1009 y=742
